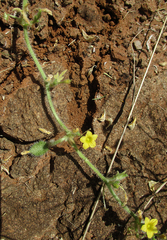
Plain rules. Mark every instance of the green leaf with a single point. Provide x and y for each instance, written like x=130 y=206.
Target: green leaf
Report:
x=116 y=184
x=115 y=180
x=58 y=77
x=39 y=148
x=36 y=17
x=6 y=16
x=118 y=176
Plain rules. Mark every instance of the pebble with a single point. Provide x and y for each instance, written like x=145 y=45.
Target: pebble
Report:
x=137 y=45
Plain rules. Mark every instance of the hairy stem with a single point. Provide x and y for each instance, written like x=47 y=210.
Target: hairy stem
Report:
x=86 y=160
x=54 y=112
x=105 y=181
x=25 y=3
x=42 y=74
x=33 y=54
x=120 y=202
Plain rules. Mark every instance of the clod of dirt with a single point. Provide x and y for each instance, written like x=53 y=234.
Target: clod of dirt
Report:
x=2 y=39
x=23 y=113
x=129 y=3
x=148 y=8
x=66 y=2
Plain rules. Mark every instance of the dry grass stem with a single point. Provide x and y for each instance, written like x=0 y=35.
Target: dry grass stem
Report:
x=154 y=195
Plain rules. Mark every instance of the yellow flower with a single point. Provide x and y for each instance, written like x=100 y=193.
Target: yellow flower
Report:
x=89 y=140
x=149 y=227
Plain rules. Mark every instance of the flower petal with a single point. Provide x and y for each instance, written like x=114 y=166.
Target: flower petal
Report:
x=147 y=220
x=153 y=222
x=83 y=139
x=92 y=144
x=85 y=145
x=150 y=233
x=94 y=137
x=89 y=134
x=155 y=230
x=143 y=228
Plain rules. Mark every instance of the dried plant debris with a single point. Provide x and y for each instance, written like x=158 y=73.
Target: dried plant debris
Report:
x=106 y=119
x=132 y=125
x=89 y=38
x=163 y=64
x=151 y=185
x=43 y=130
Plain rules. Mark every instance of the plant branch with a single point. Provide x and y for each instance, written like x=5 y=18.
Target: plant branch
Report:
x=42 y=74
x=86 y=160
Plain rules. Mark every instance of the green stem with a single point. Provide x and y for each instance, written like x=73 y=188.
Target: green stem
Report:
x=42 y=74
x=24 y=3
x=120 y=202
x=33 y=54
x=54 y=112
x=105 y=181
x=89 y=163
x=54 y=143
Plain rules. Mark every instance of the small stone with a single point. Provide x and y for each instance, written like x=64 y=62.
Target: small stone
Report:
x=137 y=45
x=9 y=88
x=142 y=63
x=2 y=39
x=5 y=54
x=129 y=3
x=5 y=63
x=143 y=18
x=126 y=45
x=107 y=17
x=51 y=22
x=66 y=2
x=118 y=53
x=158 y=49
x=148 y=8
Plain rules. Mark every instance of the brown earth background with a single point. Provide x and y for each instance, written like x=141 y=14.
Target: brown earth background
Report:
x=52 y=196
